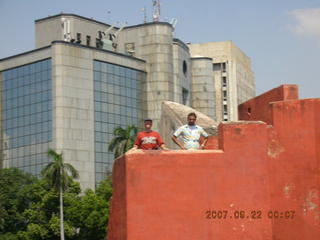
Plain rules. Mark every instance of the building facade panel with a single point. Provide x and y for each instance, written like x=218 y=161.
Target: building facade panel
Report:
x=203 y=98
x=27 y=116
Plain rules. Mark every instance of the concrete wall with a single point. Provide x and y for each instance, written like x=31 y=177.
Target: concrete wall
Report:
x=73 y=108
x=181 y=80
x=240 y=78
x=50 y=29
x=203 y=98
x=261 y=182
x=153 y=43
x=25 y=58
x=217 y=86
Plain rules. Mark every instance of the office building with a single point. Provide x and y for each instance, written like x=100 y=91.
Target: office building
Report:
x=85 y=77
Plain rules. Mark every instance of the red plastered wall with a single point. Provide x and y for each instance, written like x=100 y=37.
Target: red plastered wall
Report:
x=168 y=193
x=259 y=107
x=256 y=168
x=294 y=167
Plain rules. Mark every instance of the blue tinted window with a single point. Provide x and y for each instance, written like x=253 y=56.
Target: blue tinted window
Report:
x=113 y=96
x=27 y=114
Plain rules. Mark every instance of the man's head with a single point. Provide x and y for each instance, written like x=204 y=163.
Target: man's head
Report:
x=147 y=124
x=192 y=117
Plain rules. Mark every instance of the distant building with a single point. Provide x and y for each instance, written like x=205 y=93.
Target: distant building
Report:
x=86 y=77
x=233 y=77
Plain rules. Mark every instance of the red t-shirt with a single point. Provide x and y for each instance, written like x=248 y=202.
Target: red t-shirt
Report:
x=148 y=140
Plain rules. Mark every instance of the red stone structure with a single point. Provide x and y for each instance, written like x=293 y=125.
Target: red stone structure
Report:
x=260 y=180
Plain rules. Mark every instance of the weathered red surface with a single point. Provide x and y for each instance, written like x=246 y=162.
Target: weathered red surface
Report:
x=212 y=143
x=163 y=195
x=259 y=108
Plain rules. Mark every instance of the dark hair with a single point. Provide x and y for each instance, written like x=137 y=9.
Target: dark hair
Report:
x=192 y=114
x=148 y=120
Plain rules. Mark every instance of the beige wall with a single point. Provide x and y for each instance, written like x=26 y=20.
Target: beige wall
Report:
x=180 y=79
x=240 y=77
x=203 y=98
x=153 y=43
x=50 y=29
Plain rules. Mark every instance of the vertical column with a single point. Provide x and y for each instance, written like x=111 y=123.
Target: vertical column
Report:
x=203 y=98
x=73 y=110
x=156 y=46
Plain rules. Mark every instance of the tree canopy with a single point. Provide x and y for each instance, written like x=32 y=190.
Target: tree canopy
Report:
x=29 y=209
x=123 y=140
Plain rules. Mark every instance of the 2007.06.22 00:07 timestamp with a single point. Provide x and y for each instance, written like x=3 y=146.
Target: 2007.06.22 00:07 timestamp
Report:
x=255 y=214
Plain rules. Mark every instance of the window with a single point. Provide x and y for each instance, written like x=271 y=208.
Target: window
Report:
x=224 y=94
x=130 y=49
x=224 y=67
x=225 y=108
x=78 y=38
x=88 y=40
x=27 y=98
x=224 y=81
x=115 y=88
x=185 y=94
x=184 y=67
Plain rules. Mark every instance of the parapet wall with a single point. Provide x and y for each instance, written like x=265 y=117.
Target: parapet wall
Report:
x=261 y=183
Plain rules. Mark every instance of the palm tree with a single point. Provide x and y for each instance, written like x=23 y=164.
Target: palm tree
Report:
x=123 y=140
x=59 y=175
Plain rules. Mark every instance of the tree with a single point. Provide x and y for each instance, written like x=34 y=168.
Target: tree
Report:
x=90 y=213
x=14 y=199
x=59 y=176
x=29 y=209
x=123 y=140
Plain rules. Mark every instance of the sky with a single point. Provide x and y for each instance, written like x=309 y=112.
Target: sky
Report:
x=282 y=37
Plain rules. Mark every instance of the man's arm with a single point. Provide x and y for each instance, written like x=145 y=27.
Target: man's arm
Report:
x=205 y=135
x=137 y=142
x=204 y=143
x=161 y=142
x=176 y=141
x=163 y=147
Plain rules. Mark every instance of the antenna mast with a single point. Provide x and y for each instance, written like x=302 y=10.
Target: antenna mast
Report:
x=156 y=10
x=144 y=10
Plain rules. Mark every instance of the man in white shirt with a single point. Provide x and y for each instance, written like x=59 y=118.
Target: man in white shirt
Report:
x=190 y=134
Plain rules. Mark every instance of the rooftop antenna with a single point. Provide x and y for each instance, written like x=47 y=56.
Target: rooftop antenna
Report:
x=144 y=10
x=109 y=15
x=156 y=10
x=65 y=23
x=174 y=22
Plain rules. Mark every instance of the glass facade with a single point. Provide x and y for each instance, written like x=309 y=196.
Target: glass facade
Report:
x=27 y=116
x=117 y=102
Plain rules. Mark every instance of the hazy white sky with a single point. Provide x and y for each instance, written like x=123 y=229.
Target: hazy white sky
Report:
x=282 y=37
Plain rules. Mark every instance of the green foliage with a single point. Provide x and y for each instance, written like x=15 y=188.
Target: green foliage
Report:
x=13 y=198
x=30 y=209
x=123 y=140
x=58 y=173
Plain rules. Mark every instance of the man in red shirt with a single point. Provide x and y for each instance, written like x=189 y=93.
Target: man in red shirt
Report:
x=148 y=139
